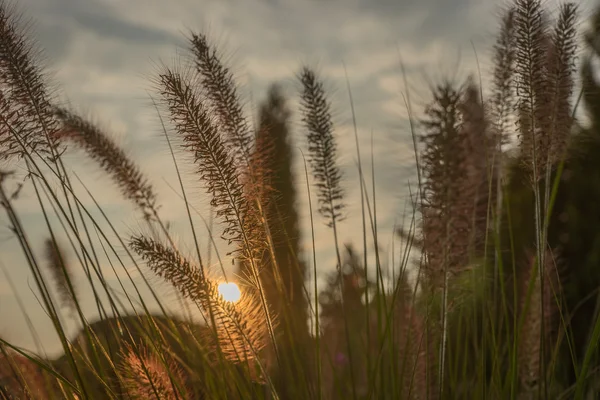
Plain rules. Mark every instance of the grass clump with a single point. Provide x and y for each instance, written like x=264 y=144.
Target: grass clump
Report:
x=502 y=303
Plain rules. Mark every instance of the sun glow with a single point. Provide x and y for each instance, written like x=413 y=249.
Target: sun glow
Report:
x=230 y=291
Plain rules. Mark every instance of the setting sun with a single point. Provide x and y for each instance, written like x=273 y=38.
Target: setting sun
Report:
x=230 y=291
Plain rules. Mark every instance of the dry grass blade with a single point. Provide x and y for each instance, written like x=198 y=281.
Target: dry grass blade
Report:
x=112 y=159
x=322 y=149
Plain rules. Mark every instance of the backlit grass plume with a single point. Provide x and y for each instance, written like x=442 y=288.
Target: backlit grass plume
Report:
x=216 y=166
x=111 y=158
x=26 y=114
x=146 y=376
x=241 y=327
x=219 y=87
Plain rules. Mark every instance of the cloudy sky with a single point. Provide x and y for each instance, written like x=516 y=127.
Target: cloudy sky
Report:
x=103 y=54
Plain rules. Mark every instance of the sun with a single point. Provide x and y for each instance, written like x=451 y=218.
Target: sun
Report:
x=230 y=291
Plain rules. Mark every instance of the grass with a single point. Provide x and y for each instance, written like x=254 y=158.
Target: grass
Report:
x=505 y=298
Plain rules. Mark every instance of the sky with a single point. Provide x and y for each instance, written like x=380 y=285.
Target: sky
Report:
x=102 y=57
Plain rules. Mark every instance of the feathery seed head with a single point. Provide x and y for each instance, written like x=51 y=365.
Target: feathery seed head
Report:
x=61 y=272
x=219 y=86
x=112 y=159
x=146 y=376
x=322 y=148
x=20 y=377
x=27 y=122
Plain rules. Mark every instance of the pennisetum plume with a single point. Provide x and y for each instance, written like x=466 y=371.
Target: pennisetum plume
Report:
x=61 y=272
x=146 y=376
x=561 y=55
x=20 y=377
x=216 y=166
x=562 y=52
x=26 y=113
x=501 y=108
x=544 y=70
x=322 y=149
x=502 y=98
x=531 y=40
x=111 y=158
x=322 y=157
x=442 y=165
x=224 y=102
